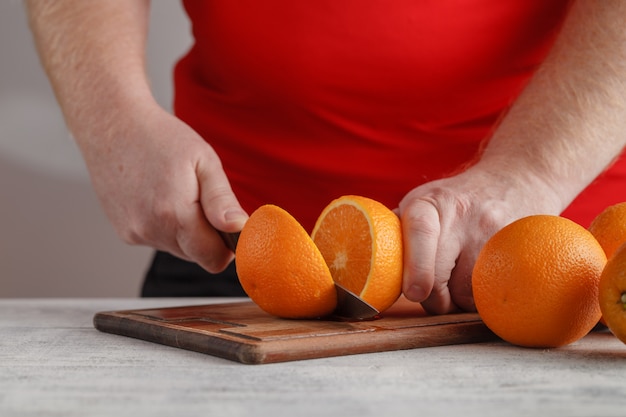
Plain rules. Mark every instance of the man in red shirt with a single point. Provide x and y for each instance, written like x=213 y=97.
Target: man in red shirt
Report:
x=462 y=115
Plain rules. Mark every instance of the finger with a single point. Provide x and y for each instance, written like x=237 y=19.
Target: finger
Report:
x=460 y=284
x=219 y=204
x=440 y=299
x=199 y=241
x=420 y=226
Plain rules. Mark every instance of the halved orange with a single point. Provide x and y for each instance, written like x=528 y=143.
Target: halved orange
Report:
x=613 y=293
x=281 y=269
x=609 y=228
x=361 y=241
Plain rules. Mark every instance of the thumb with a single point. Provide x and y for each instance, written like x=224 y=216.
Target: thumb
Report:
x=219 y=203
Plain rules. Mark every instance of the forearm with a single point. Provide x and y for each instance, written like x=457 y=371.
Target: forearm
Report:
x=93 y=53
x=570 y=121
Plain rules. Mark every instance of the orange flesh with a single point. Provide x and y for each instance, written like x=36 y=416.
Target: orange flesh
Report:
x=349 y=263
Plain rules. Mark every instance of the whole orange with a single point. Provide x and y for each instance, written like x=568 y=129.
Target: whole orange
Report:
x=613 y=293
x=535 y=281
x=609 y=228
x=281 y=269
x=361 y=241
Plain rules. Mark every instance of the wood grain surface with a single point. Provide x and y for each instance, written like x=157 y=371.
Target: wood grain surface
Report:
x=243 y=332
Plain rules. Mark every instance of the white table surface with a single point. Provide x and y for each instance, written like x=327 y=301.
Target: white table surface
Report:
x=54 y=363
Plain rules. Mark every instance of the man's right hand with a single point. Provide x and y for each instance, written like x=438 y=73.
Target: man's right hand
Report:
x=159 y=182
x=163 y=186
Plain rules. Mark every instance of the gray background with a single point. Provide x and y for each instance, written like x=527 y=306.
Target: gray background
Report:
x=54 y=238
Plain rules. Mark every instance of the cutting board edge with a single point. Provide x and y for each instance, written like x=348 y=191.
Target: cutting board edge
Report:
x=256 y=352
x=389 y=340
x=224 y=347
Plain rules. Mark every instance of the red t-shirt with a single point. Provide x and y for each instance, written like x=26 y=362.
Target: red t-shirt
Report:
x=305 y=101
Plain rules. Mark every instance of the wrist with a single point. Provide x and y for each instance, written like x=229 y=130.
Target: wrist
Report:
x=105 y=112
x=516 y=181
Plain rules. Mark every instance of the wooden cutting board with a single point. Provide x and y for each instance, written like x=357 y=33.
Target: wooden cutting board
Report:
x=241 y=331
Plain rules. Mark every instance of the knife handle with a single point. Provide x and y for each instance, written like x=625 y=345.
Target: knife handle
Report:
x=230 y=239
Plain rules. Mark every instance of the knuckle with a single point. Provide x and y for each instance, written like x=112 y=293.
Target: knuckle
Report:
x=421 y=217
x=421 y=225
x=218 y=194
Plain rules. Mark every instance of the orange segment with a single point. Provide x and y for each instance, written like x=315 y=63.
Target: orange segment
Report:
x=350 y=259
x=281 y=269
x=535 y=282
x=361 y=241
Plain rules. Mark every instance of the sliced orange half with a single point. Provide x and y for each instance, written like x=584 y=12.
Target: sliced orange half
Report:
x=281 y=269
x=361 y=242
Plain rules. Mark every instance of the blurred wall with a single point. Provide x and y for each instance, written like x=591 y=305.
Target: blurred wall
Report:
x=54 y=238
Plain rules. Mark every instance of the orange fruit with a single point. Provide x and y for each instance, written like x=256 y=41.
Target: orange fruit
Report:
x=609 y=228
x=536 y=281
x=281 y=269
x=361 y=241
x=613 y=293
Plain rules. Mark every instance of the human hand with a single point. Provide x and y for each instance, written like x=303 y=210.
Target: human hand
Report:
x=445 y=224
x=162 y=185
